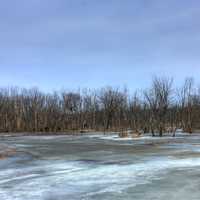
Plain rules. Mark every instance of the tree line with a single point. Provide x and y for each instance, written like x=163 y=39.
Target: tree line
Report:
x=158 y=109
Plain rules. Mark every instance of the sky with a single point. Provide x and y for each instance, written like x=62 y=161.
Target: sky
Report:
x=54 y=44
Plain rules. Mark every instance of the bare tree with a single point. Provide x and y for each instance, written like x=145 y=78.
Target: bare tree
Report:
x=112 y=101
x=158 y=99
x=186 y=94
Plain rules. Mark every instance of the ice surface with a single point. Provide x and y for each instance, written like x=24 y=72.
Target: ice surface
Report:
x=96 y=167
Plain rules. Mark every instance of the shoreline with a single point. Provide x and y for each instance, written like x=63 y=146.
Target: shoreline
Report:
x=70 y=133
x=79 y=133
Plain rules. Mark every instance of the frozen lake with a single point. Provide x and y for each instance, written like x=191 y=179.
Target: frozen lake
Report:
x=96 y=167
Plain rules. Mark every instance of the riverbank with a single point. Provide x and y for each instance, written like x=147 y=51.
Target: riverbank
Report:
x=91 y=132
x=15 y=134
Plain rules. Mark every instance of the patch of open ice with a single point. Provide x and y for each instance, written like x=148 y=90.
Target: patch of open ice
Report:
x=84 y=180
x=115 y=137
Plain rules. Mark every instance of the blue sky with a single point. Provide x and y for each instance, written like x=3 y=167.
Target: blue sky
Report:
x=55 y=44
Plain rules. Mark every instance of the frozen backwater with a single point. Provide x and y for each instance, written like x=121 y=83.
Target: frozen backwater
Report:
x=100 y=167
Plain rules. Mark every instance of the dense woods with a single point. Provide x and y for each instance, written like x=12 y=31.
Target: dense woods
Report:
x=158 y=109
